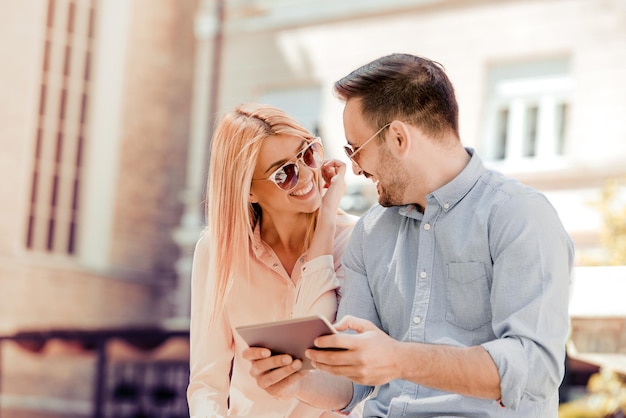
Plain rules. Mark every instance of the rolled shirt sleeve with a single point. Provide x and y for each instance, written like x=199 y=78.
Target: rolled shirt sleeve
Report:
x=532 y=260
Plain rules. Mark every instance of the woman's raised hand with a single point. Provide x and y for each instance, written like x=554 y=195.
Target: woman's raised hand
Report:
x=334 y=176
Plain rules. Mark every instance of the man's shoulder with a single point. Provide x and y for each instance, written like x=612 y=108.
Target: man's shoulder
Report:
x=379 y=217
x=506 y=185
x=512 y=199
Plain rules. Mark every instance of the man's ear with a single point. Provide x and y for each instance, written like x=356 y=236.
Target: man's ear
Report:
x=399 y=138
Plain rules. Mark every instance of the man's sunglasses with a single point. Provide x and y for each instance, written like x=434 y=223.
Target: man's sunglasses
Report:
x=286 y=176
x=351 y=152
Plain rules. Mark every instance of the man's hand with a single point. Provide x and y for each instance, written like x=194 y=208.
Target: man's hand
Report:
x=278 y=375
x=373 y=358
x=370 y=357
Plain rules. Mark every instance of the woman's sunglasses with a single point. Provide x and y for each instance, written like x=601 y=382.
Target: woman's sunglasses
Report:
x=286 y=176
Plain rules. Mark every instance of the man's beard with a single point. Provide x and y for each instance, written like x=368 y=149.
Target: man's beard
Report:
x=392 y=186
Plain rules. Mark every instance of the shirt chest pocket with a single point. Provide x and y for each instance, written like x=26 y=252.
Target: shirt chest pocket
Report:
x=467 y=295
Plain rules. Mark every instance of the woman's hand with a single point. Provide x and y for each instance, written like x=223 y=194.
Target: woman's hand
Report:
x=277 y=375
x=334 y=176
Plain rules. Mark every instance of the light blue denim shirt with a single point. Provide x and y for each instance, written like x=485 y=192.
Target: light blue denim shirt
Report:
x=487 y=263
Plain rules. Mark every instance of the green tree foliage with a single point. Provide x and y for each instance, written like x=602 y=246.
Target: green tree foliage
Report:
x=612 y=206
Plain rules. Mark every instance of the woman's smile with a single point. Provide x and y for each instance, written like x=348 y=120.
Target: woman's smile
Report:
x=304 y=191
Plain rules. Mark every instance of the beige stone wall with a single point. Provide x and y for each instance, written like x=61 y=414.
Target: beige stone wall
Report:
x=52 y=290
x=40 y=291
x=21 y=55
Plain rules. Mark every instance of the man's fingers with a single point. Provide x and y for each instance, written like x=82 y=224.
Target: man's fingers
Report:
x=334 y=357
x=359 y=325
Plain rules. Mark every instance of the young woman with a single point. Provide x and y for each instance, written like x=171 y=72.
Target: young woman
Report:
x=271 y=251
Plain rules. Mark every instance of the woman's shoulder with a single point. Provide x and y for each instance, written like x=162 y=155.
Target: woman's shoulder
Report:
x=203 y=240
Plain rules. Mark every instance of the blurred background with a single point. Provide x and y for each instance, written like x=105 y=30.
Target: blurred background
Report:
x=106 y=113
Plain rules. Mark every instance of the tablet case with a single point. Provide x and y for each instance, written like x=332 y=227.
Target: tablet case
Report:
x=292 y=336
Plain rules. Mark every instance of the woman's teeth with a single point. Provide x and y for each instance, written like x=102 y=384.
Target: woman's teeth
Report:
x=304 y=191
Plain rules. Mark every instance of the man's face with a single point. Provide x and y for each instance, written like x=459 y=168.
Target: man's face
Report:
x=374 y=161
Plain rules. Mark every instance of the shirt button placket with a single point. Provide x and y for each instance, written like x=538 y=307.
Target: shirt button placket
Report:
x=423 y=287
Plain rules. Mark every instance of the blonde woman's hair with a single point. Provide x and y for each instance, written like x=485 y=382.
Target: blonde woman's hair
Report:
x=231 y=217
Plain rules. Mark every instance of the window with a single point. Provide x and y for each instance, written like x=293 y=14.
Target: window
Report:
x=60 y=135
x=527 y=110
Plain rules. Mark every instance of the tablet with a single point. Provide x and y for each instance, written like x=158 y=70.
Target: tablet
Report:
x=292 y=336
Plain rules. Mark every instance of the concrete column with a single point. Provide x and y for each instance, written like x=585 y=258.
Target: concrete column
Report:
x=193 y=220
x=515 y=131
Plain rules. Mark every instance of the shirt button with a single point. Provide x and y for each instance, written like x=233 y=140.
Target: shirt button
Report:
x=423 y=275
x=417 y=319
x=427 y=227
x=275 y=265
x=446 y=205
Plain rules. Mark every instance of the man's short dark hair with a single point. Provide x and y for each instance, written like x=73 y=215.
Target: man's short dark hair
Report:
x=404 y=87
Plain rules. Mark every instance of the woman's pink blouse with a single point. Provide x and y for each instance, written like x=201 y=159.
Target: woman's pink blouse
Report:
x=269 y=294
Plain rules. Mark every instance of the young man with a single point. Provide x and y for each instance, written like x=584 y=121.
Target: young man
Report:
x=457 y=284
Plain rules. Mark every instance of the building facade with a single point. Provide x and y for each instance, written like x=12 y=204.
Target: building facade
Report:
x=94 y=126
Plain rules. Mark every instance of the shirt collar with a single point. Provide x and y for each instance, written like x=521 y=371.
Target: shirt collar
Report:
x=411 y=211
x=451 y=193
x=258 y=246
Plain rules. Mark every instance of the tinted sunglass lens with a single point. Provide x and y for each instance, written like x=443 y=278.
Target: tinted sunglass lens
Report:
x=312 y=155
x=287 y=177
x=308 y=157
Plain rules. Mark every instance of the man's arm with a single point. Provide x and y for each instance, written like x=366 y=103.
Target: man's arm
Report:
x=469 y=371
x=280 y=377
x=373 y=358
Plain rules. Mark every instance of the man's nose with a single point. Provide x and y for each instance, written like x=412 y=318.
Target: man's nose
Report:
x=356 y=169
